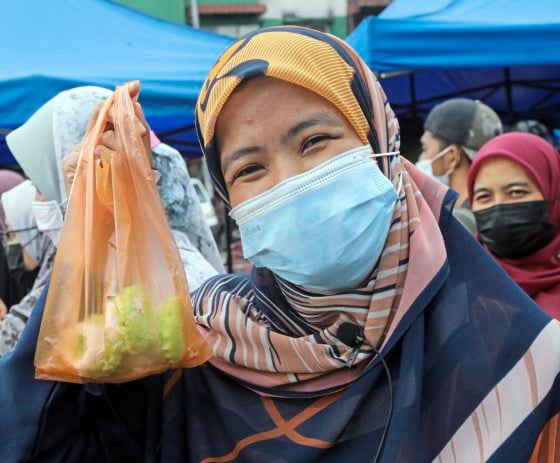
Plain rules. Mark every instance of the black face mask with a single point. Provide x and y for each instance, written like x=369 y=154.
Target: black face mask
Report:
x=514 y=231
x=14 y=257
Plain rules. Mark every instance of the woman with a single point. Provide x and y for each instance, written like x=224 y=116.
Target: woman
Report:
x=30 y=253
x=14 y=279
x=301 y=141
x=26 y=247
x=515 y=191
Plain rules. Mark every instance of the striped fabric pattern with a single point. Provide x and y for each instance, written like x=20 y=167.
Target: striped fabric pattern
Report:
x=294 y=340
x=505 y=407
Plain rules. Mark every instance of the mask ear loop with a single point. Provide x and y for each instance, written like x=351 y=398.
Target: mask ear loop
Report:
x=441 y=154
x=382 y=155
x=400 y=185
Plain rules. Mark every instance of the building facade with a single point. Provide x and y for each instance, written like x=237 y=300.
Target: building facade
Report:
x=237 y=17
x=359 y=9
x=170 y=10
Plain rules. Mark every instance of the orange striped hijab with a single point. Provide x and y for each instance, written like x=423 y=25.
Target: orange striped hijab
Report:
x=319 y=62
x=287 y=337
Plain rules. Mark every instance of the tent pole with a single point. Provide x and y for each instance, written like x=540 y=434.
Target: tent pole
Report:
x=509 y=95
x=194 y=14
x=412 y=82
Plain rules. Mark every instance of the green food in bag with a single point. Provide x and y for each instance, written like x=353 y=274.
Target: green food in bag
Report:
x=126 y=327
x=170 y=329
x=132 y=315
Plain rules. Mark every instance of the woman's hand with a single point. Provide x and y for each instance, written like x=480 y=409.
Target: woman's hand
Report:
x=108 y=141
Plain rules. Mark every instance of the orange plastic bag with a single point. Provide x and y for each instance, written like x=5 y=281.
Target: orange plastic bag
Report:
x=118 y=306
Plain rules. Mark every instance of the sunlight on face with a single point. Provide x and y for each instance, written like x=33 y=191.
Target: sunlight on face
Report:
x=501 y=181
x=270 y=130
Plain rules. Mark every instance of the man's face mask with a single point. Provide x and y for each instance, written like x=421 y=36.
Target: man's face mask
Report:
x=325 y=229
x=516 y=230
x=426 y=166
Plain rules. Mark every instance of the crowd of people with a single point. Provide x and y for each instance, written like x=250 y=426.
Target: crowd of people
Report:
x=394 y=312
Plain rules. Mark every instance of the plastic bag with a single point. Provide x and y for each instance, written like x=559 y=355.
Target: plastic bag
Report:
x=118 y=306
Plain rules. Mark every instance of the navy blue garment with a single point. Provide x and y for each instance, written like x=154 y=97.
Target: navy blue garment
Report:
x=463 y=336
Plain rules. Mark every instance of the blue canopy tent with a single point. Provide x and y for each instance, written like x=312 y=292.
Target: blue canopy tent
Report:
x=47 y=47
x=503 y=52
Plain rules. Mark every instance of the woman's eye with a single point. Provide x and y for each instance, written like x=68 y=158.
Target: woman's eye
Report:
x=482 y=197
x=313 y=141
x=517 y=193
x=247 y=171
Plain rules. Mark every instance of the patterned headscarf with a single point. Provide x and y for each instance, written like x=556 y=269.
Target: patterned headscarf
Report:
x=269 y=333
x=182 y=206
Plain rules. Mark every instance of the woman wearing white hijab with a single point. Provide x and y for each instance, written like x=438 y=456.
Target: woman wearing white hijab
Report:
x=17 y=204
x=39 y=248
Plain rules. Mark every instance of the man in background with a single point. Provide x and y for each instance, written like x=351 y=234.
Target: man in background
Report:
x=453 y=133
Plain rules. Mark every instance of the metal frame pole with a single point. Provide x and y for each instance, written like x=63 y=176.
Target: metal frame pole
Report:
x=194 y=14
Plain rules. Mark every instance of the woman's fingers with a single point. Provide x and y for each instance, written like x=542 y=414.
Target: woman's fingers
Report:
x=134 y=89
x=69 y=166
x=103 y=151
x=145 y=130
x=141 y=120
x=94 y=116
x=109 y=139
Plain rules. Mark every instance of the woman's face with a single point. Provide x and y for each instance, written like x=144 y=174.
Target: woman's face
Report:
x=270 y=130
x=501 y=181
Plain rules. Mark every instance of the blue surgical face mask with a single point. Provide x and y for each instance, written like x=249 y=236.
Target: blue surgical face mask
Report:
x=325 y=229
x=426 y=166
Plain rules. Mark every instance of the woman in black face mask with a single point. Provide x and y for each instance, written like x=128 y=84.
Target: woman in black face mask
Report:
x=23 y=244
x=514 y=188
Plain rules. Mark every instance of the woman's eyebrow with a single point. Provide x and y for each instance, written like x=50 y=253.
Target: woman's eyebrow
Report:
x=479 y=190
x=237 y=154
x=516 y=183
x=319 y=118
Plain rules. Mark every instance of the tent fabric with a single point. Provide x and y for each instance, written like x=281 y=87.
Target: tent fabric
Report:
x=460 y=34
x=476 y=48
x=535 y=91
x=48 y=47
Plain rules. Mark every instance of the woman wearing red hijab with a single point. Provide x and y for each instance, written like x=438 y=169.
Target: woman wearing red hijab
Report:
x=514 y=188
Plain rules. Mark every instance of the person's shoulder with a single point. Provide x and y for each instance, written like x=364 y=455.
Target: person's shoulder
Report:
x=466 y=218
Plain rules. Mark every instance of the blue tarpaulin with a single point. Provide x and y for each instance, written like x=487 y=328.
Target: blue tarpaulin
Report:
x=504 y=52
x=50 y=46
